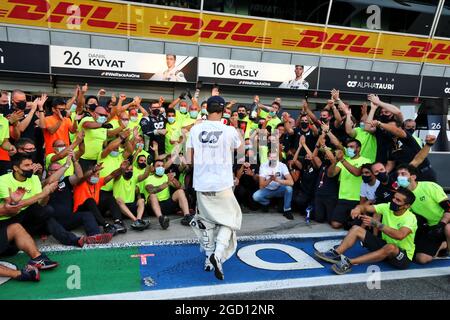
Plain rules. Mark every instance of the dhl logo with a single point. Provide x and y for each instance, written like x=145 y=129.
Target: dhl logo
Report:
x=150 y=22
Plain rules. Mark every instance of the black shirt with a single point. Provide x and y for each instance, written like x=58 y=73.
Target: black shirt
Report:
x=325 y=185
x=308 y=178
x=310 y=139
x=247 y=181
x=385 y=192
x=149 y=125
x=62 y=199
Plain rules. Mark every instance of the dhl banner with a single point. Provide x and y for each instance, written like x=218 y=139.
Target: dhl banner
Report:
x=178 y=25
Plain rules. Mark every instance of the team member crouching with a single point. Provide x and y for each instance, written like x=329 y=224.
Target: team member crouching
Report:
x=158 y=195
x=212 y=144
x=124 y=191
x=398 y=231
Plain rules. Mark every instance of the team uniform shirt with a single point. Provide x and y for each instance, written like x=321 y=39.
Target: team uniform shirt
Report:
x=310 y=139
x=188 y=121
x=173 y=134
x=62 y=199
x=93 y=140
x=156 y=181
x=213 y=144
x=84 y=191
x=110 y=164
x=407 y=151
x=350 y=185
x=368 y=144
x=149 y=125
x=126 y=189
x=48 y=161
x=273 y=123
x=4 y=134
x=326 y=186
x=368 y=191
x=132 y=124
x=385 y=192
x=7 y=181
x=180 y=117
x=308 y=178
x=279 y=171
x=428 y=196
x=295 y=84
x=170 y=75
x=61 y=134
x=406 y=220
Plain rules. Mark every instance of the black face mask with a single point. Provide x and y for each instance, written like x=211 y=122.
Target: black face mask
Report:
x=410 y=131
x=156 y=112
x=127 y=175
x=27 y=173
x=324 y=120
x=382 y=177
x=394 y=207
x=385 y=119
x=92 y=106
x=241 y=115
x=366 y=179
x=141 y=165
x=64 y=113
x=21 y=105
x=304 y=125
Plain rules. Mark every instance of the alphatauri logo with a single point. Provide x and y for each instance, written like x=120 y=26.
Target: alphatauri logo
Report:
x=370 y=82
x=209 y=137
x=447 y=90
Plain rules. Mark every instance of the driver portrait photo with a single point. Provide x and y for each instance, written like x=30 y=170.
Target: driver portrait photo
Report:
x=298 y=82
x=172 y=73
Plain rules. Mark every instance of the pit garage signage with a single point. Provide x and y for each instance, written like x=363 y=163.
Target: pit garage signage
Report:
x=435 y=87
x=122 y=64
x=145 y=21
x=23 y=57
x=259 y=74
x=369 y=82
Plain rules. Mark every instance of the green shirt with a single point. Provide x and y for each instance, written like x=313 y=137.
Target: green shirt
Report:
x=368 y=144
x=263 y=114
x=7 y=181
x=180 y=117
x=48 y=162
x=173 y=133
x=126 y=189
x=156 y=181
x=110 y=164
x=350 y=185
x=273 y=123
x=4 y=128
x=428 y=196
x=406 y=220
x=93 y=140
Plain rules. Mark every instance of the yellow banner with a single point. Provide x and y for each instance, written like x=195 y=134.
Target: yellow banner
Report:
x=171 y=24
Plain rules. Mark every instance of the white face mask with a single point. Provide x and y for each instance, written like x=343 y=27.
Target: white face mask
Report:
x=60 y=149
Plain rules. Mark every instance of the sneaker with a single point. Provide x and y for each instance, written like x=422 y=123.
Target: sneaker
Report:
x=218 y=271
x=187 y=219
x=29 y=273
x=109 y=228
x=344 y=266
x=164 y=222
x=288 y=215
x=43 y=262
x=330 y=256
x=140 y=225
x=120 y=226
x=208 y=265
x=95 y=239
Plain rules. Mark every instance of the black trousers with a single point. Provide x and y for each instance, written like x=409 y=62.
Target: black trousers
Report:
x=244 y=195
x=107 y=203
x=70 y=220
x=323 y=207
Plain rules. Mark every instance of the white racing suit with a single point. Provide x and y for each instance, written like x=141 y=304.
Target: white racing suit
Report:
x=218 y=217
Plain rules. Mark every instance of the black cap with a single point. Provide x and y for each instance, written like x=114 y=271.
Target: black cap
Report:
x=58 y=102
x=216 y=100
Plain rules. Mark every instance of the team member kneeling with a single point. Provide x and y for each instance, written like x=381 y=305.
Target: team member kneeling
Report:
x=398 y=231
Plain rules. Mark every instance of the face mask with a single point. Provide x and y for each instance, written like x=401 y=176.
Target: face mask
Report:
x=183 y=110
x=92 y=106
x=21 y=105
x=241 y=115
x=139 y=145
x=394 y=207
x=133 y=119
x=60 y=149
x=362 y=125
x=27 y=173
x=410 y=131
x=248 y=147
x=101 y=119
x=304 y=125
x=63 y=113
x=403 y=181
x=114 y=154
x=73 y=108
x=324 y=120
x=366 y=179
x=3 y=108
x=125 y=123
x=171 y=119
x=204 y=111
x=385 y=119
x=226 y=115
x=156 y=112
x=94 y=180
x=159 y=171
x=350 y=152
x=141 y=165
x=61 y=179
x=272 y=113
x=193 y=114
x=127 y=175
x=382 y=177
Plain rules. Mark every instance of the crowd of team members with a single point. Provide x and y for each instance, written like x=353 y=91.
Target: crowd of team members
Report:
x=81 y=163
